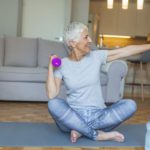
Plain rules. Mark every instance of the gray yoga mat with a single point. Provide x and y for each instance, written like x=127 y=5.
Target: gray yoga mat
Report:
x=48 y=135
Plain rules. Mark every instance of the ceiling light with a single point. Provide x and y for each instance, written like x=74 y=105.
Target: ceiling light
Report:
x=109 y=4
x=124 y=4
x=140 y=4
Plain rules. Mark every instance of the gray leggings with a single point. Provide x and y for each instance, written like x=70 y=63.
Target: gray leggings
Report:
x=88 y=120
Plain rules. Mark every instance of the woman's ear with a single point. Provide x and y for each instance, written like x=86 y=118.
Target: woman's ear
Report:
x=72 y=44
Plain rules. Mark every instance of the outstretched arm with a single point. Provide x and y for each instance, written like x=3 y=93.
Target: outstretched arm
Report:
x=127 y=51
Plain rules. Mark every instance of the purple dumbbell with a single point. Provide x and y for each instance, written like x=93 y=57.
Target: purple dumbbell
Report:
x=56 y=62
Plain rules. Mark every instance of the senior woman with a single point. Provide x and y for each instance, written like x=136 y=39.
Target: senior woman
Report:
x=84 y=112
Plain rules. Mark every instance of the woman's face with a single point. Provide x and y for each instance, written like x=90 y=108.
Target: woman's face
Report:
x=83 y=45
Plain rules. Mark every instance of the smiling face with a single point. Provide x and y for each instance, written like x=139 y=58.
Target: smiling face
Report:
x=83 y=44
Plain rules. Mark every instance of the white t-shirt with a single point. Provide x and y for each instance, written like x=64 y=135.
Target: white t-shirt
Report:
x=82 y=79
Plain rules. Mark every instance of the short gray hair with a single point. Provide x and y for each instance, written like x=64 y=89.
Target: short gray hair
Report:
x=73 y=32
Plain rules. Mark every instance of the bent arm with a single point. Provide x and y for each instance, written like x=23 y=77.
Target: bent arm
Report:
x=53 y=84
x=127 y=51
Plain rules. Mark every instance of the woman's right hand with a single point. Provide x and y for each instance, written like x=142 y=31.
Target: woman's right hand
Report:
x=51 y=58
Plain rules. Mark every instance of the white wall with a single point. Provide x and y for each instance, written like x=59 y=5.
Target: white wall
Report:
x=9 y=17
x=45 y=18
x=40 y=18
x=80 y=11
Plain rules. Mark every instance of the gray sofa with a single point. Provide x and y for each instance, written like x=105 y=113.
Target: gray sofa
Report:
x=23 y=70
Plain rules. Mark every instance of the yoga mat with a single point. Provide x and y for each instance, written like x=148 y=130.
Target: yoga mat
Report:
x=48 y=135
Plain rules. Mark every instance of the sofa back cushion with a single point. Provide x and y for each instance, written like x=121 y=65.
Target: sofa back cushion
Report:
x=47 y=48
x=1 y=51
x=21 y=52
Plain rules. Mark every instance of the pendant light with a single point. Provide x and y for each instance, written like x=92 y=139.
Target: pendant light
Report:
x=110 y=4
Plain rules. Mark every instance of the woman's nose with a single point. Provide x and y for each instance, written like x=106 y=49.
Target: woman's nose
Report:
x=90 y=40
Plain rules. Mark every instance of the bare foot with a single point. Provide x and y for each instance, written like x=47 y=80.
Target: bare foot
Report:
x=74 y=136
x=113 y=135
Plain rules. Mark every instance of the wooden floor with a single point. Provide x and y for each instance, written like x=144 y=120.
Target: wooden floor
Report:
x=38 y=112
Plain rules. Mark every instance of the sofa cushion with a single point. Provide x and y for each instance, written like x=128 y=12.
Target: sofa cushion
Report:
x=46 y=48
x=1 y=51
x=103 y=79
x=21 y=52
x=23 y=74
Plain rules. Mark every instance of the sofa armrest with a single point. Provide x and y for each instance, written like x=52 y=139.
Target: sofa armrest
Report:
x=116 y=72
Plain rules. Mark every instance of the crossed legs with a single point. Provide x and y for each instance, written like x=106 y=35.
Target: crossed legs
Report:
x=67 y=119
x=99 y=129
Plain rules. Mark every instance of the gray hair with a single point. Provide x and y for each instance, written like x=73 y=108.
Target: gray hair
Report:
x=73 y=32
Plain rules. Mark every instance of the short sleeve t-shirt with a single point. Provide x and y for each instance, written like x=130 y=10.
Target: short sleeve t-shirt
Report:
x=82 y=79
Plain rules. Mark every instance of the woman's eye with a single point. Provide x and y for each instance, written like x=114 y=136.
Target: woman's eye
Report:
x=86 y=37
